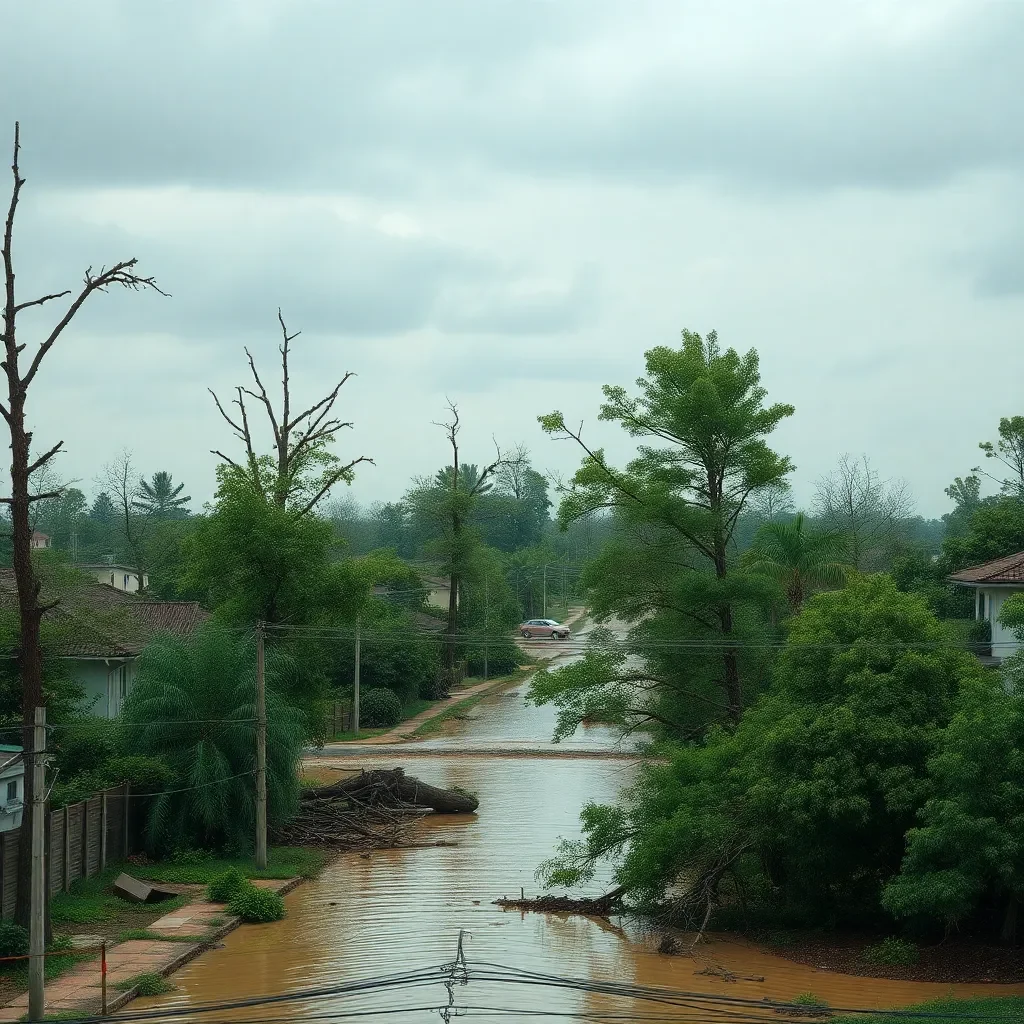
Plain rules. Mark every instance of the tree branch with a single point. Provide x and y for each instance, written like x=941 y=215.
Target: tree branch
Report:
x=38 y=302
x=335 y=476
x=122 y=274
x=45 y=458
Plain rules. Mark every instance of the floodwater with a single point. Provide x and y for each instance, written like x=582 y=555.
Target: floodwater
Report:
x=400 y=912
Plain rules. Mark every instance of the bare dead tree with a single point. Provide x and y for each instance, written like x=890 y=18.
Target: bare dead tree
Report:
x=122 y=483
x=866 y=509
x=511 y=474
x=301 y=439
x=455 y=510
x=20 y=376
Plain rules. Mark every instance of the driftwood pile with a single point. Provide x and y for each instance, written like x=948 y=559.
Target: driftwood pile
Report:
x=598 y=906
x=372 y=810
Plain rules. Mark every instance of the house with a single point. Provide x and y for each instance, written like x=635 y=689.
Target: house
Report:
x=993 y=583
x=38 y=540
x=120 y=577
x=438 y=590
x=12 y=786
x=100 y=632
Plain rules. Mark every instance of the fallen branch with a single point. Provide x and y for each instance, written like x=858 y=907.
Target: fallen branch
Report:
x=598 y=906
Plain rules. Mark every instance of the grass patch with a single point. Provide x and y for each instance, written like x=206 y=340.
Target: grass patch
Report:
x=88 y=902
x=352 y=737
x=147 y=935
x=892 y=951
x=459 y=709
x=947 y=1011
x=810 y=1000
x=217 y=921
x=146 y=984
x=282 y=862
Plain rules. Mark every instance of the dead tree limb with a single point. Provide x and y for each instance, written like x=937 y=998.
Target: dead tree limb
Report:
x=301 y=441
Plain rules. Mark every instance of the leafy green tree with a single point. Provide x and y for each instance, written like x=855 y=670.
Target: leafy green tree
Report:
x=1008 y=450
x=805 y=807
x=193 y=706
x=702 y=423
x=102 y=510
x=61 y=517
x=965 y=856
x=995 y=529
x=160 y=498
x=965 y=493
x=798 y=559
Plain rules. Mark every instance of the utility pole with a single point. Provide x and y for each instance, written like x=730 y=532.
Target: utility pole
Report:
x=487 y=607
x=355 y=696
x=544 y=606
x=37 y=880
x=261 y=751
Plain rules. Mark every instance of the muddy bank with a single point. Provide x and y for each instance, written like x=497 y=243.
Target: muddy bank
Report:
x=955 y=962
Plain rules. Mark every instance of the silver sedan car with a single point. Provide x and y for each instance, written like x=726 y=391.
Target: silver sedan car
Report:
x=544 y=628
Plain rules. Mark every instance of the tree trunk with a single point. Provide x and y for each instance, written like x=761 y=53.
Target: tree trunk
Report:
x=30 y=655
x=1009 y=930
x=369 y=786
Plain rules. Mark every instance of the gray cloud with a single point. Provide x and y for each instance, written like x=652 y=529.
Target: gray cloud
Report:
x=392 y=97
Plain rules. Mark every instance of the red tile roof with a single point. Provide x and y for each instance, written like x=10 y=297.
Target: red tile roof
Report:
x=94 y=620
x=1009 y=569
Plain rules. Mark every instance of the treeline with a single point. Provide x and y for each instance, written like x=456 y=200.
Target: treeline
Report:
x=828 y=751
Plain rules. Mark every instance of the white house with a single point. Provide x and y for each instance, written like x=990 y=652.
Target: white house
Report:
x=993 y=583
x=12 y=786
x=38 y=540
x=120 y=577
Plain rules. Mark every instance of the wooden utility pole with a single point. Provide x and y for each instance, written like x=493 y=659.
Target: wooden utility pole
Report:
x=37 y=876
x=544 y=605
x=487 y=603
x=355 y=697
x=261 y=751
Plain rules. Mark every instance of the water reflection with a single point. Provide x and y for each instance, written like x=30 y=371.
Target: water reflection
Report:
x=399 y=910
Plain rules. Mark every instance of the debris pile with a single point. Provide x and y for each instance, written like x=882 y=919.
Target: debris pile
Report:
x=371 y=810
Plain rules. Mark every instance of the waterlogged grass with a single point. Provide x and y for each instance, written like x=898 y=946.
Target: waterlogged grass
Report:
x=459 y=709
x=89 y=902
x=147 y=935
x=282 y=862
x=146 y=985
x=947 y=1011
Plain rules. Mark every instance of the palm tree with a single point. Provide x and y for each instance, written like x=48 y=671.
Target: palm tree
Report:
x=160 y=498
x=193 y=707
x=800 y=560
x=469 y=479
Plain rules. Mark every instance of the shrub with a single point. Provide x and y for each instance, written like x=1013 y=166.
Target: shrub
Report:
x=226 y=886
x=13 y=939
x=146 y=985
x=252 y=904
x=380 y=708
x=891 y=951
x=811 y=1000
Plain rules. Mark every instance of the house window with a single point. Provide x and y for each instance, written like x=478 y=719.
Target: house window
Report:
x=122 y=682
x=12 y=791
x=982 y=609
x=126 y=582
x=111 y=579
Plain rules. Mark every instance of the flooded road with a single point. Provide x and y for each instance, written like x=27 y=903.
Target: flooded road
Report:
x=401 y=910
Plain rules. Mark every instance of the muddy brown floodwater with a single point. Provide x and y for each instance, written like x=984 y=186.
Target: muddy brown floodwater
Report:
x=400 y=910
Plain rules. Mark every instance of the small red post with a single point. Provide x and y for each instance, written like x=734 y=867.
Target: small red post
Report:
x=103 y=978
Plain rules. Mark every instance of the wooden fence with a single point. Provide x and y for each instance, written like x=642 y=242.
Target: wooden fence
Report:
x=81 y=840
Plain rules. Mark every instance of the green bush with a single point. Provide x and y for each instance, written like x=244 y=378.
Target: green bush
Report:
x=225 y=887
x=146 y=985
x=256 y=905
x=892 y=951
x=13 y=939
x=809 y=999
x=380 y=708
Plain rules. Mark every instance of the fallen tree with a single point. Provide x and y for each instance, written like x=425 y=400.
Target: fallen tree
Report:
x=371 y=810
x=391 y=787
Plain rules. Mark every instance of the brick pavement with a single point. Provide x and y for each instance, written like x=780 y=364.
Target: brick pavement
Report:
x=80 y=988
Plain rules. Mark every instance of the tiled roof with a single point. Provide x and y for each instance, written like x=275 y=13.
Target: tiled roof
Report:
x=1008 y=569
x=94 y=620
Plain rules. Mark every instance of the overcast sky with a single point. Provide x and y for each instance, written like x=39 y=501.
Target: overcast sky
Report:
x=508 y=202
